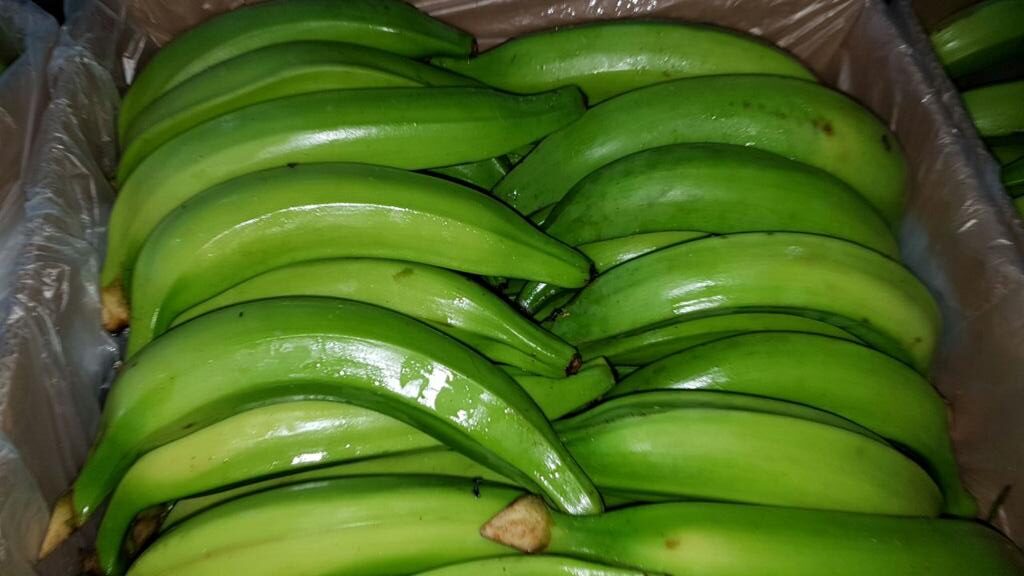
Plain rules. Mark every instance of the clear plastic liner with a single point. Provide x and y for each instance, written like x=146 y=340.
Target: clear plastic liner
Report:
x=960 y=234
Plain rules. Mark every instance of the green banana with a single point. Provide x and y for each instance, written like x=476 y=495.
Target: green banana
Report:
x=794 y=118
x=835 y=375
x=1013 y=177
x=717 y=188
x=984 y=36
x=997 y=111
x=284 y=349
x=516 y=156
x=645 y=346
x=859 y=290
x=448 y=301
x=370 y=525
x=1006 y=153
x=1018 y=203
x=388 y=25
x=553 y=306
x=413 y=128
x=605 y=254
x=560 y=396
x=269 y=73
x=673 y=444
x=270 y=219
x=532 y=566
x=483 y=174
x=720 y=539
x=608 y=58
x=432 y=462
x=259 y=443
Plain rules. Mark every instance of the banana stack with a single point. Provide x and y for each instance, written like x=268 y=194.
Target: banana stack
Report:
x=982 y=49
x=614 y=300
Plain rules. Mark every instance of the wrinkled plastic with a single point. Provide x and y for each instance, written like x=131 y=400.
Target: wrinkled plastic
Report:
x=959 y=235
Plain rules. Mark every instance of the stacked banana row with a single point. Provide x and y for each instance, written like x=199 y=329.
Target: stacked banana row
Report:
x=366 y=335
x=982 y=48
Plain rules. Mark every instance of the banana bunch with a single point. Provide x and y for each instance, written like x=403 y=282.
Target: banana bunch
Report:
x=395 y=308
x=982 y=48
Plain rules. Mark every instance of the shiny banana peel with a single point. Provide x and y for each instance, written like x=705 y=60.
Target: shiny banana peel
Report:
x=533 y=566
x=608 y=58
x=431 y=462
x=652 y=445
x=794 y=118
x=483 y=174
x=447 y=300
x=839 y=376
x=342 y=526
x=605 y=254
x=274 y=218
x=280 y=439
x=388 y=25
x=857 y=289
x=560 y=396
x=997 y=111
x=986 y=35
x=411 y=128
x=646 y=346
x=287 y=349
x=717 y=188
x=720 y=539
x=277 y=71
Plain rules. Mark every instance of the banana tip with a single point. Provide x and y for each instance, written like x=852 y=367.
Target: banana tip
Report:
x=115 y=307
x=574 y=365
x=524 y=525
x=62 y=526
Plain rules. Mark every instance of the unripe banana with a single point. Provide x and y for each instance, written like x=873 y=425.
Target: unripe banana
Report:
x=269 y=73
x=857 y=289
x=371 y=526
x=447 y=300
x=1013 y=177
x=388 y=25
x=532 y=566
x=986 y=35
x=719 y=539
x=560 y=396
x=717 y=188
x=431 y=462
x=483 y=174
x=284 y=349
x=670 y=445
x=270 y=219
x=608 y=58
x=1007 y=153
x=838 y=376
x=998 y=111
x=412 y=128
x=646 y=346
x=794 y=118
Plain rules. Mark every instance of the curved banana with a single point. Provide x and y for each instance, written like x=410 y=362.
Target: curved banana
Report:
x=605 y=254
x=432 y=462
x=413 y=128
x=608 y=58
x=717 y=188
x=857 y=289
x=666 y=444
x=388 y=25
x=793 y=118
x=270 y=219
x=342 y=526
x=532 y=566
x=447 y=300
x=483 y=174
x=719 y=539
x=839 y=376
x=283 y=349
x=645 y=346
x=985 y=35
x=560 y=396
x=997 y=111
x=269 y=73
x=272 y=440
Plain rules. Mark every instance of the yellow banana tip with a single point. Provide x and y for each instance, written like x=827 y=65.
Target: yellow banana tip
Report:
x=115 y=307
x=524 y=525
x=62 y=526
